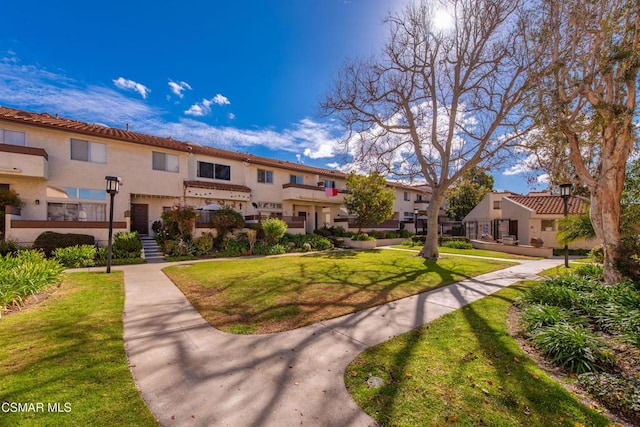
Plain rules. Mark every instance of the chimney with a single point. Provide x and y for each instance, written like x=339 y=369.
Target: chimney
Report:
x=127 y=124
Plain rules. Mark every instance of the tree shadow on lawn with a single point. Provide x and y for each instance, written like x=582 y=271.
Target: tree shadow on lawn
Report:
x=499 y=379
x=312 y=295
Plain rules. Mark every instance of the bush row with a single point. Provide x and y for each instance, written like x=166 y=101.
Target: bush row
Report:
x=589 y=329
x=25 y=273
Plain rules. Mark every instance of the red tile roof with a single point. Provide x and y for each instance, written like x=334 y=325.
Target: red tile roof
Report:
x=549 y=205
x=46 y=120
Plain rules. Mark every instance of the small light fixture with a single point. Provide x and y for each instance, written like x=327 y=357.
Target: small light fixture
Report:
x=113 y=184
x=565 y=189
x=37 y=201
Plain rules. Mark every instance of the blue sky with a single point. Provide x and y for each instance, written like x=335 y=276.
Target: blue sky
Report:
x=244 y=75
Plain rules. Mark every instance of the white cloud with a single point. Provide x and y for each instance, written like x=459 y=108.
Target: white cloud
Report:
x=196 y=110
x=127 y=84
x=543 y=179
x=178 y=87
x=231 y=116
x=221 y=100
x=203 y=108
x=36 y=89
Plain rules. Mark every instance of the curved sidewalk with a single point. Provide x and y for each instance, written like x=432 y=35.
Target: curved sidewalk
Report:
x=191 y=374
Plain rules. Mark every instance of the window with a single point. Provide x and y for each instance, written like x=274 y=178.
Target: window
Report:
x=214 y=171
x=86 y=151
x=76 y=211
x=548 y=225
x=13 y=137
x=265 y=176
x=329 y=183
x=76 y=193
x=295 y=179
x=165 y=162
x=406 y=196
x=497 y=205
x=419 y=198
x=408 y=215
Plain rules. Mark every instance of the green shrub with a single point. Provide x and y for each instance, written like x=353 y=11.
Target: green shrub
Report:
x=546 y=293
x=76 y=256
x=628 y=259
x=597 y=253
x=419 y=239
x=409 y=243
x=616 y=391
x=405 y=234
x=8 y=247
x=457 y=244
x=203 y=245
x=315 y=241
x=266 y=249
x=538 y=316
x=362 y=237
x=573 y=347
x=24 y=274
x=50 y=241
x=392 y=235
x=306 y=247
x=180 y=248
x=127 y=244
x=226 y=220
x=234 y=247
x=274 y=229
x=573 y=252
x=590 y=271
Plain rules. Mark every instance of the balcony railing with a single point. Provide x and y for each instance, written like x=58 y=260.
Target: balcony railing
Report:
x=24 y=161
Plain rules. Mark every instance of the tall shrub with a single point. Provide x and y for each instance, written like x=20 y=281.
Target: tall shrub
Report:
x=274 y=229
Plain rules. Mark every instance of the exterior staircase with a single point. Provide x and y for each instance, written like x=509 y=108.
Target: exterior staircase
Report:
x=150 y=250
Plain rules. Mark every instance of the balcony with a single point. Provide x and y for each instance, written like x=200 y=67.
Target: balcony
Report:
x=310 y=193
x=24 y=161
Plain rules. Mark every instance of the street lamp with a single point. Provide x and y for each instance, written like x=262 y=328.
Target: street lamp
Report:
x=565 y=192
x=113 y=185
x=415 y=219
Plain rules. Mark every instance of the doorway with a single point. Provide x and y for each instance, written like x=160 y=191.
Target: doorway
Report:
x=140 y=218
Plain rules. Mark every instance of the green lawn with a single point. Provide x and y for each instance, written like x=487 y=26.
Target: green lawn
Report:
x=474 y=252
x=263 y=295
x=69 y=350
x=463 y=369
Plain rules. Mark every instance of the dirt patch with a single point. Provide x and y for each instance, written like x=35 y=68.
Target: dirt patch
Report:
x=28 y=302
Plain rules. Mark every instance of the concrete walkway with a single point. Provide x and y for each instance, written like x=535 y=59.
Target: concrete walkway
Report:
x=191 y=374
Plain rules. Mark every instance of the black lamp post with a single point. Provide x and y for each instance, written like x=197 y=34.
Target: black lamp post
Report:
x=113 y=185
x=565 y=192
x=415 y=219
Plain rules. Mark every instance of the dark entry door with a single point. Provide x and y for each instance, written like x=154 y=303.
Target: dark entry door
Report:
x=513 y=228
x=140 y=218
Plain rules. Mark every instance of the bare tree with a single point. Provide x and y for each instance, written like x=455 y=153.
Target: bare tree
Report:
x=441 y=98
x=585 y=102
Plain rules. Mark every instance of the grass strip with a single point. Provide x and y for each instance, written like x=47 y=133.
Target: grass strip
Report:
x=66 y=357
x=463 y=369
x=263 y=295
x=474 y=252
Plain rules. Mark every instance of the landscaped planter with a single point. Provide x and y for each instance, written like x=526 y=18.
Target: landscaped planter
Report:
x=360 y=244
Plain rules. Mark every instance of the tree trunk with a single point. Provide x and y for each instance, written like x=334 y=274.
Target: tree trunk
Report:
x=430 y=248
x=605 y=216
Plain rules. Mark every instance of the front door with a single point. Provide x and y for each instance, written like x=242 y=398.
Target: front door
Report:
x=513 y=228
x=140 y=218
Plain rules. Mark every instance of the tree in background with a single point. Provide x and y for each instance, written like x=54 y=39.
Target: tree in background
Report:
x=467 y=192
x=585 y=103
x=443 y=96
x=369 y=199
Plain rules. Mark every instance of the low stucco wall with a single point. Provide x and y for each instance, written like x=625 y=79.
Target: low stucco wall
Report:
x=370 y=244
x=514 y=249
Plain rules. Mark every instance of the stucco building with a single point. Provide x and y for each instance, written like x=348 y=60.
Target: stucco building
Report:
x=58 y=167
x=520 y=218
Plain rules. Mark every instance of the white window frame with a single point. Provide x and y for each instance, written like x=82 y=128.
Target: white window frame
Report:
x=96 y=151
x=3 y=137
x=167 y=167
x=265 y=176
